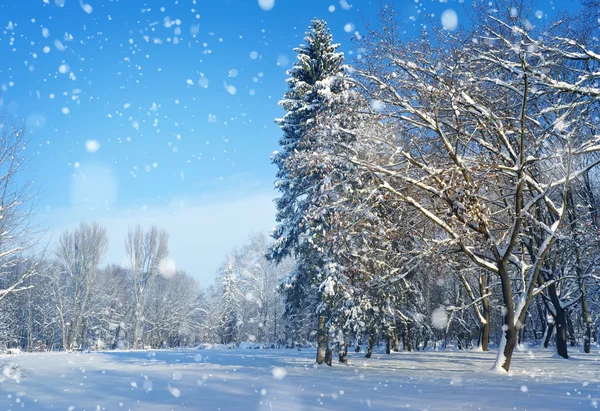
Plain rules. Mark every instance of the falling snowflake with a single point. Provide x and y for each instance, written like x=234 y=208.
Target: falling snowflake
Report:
x=92 y=146
x=449 y=20
x=266 y=5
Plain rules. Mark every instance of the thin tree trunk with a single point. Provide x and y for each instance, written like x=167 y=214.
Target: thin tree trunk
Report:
x=406 y=340
x=585 y=312
x=548 y=333
x=116 y=342
x=508 y=341
x=532 y=325
x=485 y=304
x=572 y=337
x=541 y=315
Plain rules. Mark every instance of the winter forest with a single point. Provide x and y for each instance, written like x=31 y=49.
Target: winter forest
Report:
x=437 y=206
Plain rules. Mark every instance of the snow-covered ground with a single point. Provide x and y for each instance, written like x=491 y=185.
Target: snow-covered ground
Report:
x=288 y=380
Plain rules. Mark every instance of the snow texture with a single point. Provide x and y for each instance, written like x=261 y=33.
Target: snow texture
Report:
x=255 y=379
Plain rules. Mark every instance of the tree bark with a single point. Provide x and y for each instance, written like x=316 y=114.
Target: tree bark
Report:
x=328 y=356
x=561 y=333
x=321 y=340
x=541 y=315
x=585 y=312
x=548 y=332
x=406 y=340
x=343 y=356
x=560 y=322
x=485 y=304
x=372 y=340
x=509 y=328
x=572 y=338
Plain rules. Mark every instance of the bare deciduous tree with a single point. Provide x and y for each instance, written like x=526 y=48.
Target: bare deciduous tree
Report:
x=79 y=253
x=145 y=251
x=16 y=203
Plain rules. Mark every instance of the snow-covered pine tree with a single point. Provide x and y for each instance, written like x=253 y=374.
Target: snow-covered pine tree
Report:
x=310 y=78
x=230 y=320
x=317 y=75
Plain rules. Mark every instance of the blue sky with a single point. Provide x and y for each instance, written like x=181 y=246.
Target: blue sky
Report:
x=161 y=111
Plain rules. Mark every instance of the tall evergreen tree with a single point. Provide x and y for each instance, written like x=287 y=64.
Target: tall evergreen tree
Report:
x=315 y=79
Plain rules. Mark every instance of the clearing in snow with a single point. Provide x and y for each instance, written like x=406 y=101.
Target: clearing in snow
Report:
x=289 y=380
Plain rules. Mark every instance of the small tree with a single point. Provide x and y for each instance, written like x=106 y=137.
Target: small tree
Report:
x=231 y=321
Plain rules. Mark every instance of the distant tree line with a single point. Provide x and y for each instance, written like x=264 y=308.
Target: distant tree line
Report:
x=71 y=302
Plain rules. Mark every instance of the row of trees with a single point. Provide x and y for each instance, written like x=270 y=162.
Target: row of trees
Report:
x=72 y=302
x=245 y=304
x=67 y=298
x=69 y=302
x=444 y=184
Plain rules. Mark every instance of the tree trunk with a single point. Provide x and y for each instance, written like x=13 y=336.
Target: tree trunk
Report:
x=561 y=333
x=543 y=321
x=321 y=340
x=522 y=333
x=560 y=322
x=343 y=356
x=137 y=331
x=532 y=326
x=372 y=340
x=117 y=334
x=485 y=303
x=548 y=332
x=406 y=340
x=585 y=312
x=388 y=345
x=587 y=337
x=328 y=356
x=508 y=341
x=572 y=337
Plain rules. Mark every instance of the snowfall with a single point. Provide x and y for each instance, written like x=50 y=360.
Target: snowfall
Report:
x=270 y=379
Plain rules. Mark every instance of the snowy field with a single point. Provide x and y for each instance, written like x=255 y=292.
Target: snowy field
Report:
x=288 y=380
